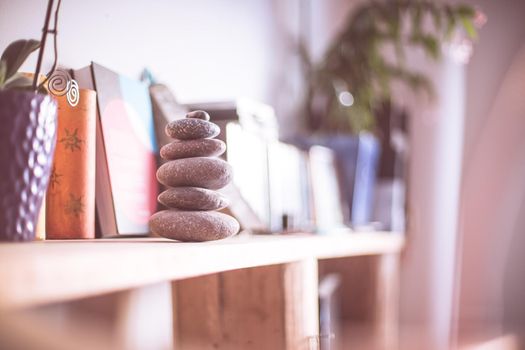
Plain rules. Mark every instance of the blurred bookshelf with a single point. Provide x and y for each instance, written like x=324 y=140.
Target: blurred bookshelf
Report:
x=276 y=275
x=312 y=256
x=315 y=255
x=51 y=271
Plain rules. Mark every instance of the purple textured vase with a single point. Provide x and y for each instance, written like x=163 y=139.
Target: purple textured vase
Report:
x=27 y=143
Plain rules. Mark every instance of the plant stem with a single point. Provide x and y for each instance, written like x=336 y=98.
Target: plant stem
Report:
x=42 y=44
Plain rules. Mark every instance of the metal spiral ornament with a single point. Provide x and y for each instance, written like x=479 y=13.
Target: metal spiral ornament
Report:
x=73 y=95
x=60 y=83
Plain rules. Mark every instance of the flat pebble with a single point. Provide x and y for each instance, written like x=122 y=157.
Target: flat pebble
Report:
x=193 y=148
x=210 y=173
x=191 y=129
x=192 y=198
x=193 y=226
x=198 y=115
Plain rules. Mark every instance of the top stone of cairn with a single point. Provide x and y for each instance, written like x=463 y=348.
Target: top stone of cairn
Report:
x=198 y=115
x=192 y=129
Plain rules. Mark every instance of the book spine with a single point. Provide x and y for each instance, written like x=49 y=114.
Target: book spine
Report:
x=40 y=232
x=70 y=201
x=365 y=180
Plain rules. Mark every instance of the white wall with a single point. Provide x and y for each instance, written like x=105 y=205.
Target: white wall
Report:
x=499 y=41
x=204 y=50
x=493 y=192
x=493 y=198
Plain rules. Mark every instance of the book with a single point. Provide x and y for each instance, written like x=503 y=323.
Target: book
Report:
x=346 y=148
x=105 y=211
x=326 y=191
x=248 y=155
x=247 y=127
x=126 y=186
x=356 y=160
x=390 y=202
x=365 y=180
x=289 y=188
x=70 y=198
x=40 y=231
x=254 y=117
x=165 y=109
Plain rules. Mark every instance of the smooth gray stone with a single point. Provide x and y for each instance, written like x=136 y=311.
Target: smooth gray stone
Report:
x=193 y=148
x=210 y=173
x=192 y=129
x=193 y=226
x=198 y=115
x=192 y=198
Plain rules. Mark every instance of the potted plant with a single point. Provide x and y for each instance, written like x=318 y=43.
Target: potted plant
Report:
x=349 y=88
x=355 y=76
x=27 y=142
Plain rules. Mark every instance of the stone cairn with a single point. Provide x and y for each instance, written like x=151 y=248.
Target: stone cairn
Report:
x=193 y=173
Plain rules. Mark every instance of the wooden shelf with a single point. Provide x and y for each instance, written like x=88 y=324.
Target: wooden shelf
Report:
x=52 y=271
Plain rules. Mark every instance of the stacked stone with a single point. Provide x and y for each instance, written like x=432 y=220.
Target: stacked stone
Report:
x=193 y=173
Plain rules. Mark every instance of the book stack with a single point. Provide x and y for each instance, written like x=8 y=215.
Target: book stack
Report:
x=126 y=187
x=356 y=162
x=315 y=184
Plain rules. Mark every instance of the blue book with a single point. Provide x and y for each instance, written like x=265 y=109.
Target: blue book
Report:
x=357 y=162
x=365 y=179
x=358 y=157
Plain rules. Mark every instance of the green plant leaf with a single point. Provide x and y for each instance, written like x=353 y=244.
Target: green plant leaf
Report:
x=358 y=58
x=436 y=17
x=17 y=81
x=3 y=70
x=431 y=45
x=16 y=54
x=451 y=23
x=469 y=27
x=416 y=19
x=465 y=11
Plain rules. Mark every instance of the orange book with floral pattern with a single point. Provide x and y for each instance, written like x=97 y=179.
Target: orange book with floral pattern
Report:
x=70 y=201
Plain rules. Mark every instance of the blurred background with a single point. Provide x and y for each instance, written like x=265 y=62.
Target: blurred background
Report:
x=463 y=269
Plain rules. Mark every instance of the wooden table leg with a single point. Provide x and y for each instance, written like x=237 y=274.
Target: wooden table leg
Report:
x=387 y=300
x=270 y=307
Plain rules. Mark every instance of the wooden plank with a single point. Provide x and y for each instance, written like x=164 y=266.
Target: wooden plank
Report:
x=387 y=300
x=21 y=330
x=84 y=324
x=358 y=279
x=270 y=307
x=301 y=305
x=369 y=299
x=132 y=319
x=44 y=272
x=509 y=341
x=241 y=309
